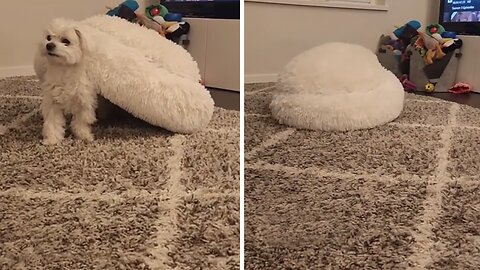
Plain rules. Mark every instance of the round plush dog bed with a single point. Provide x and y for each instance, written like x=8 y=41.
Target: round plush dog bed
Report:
x=141 y=72
x=336 y=86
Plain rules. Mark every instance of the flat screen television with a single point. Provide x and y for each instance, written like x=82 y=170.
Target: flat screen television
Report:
x=460 y=16
x=216 y=9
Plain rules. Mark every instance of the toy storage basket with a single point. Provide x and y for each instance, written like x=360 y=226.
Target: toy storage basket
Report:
x=442 y=72
x=183 y=41
x=387 y=58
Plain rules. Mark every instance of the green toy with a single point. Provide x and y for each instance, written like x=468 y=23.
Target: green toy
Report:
x=435 y=29
x=156 y=10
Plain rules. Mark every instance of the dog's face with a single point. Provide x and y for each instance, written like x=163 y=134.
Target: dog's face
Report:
x=63 y=43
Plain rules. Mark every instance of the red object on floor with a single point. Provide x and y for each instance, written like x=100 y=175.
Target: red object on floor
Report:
x=460 y=88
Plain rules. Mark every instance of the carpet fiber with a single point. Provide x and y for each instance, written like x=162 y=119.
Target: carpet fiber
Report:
x=136 y=198
x=405 y=195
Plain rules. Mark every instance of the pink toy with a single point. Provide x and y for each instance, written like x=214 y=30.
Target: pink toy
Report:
x=407 y=84
x=460 y=88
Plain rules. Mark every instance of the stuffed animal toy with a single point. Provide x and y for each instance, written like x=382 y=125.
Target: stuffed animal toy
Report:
x=432 y=45
x=175 y=31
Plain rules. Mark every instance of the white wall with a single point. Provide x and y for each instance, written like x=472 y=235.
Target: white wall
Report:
x=22 y=23
x=275 y=33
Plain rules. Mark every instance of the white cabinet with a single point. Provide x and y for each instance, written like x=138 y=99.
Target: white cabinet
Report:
x=215 y=45
x=469 y=67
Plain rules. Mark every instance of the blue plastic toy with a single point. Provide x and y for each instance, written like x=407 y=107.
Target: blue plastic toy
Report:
x=173 y=17
x=448 y=34
x=410 y=25
x=130 y=4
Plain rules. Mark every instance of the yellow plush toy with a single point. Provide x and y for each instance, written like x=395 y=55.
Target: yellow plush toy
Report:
x=433 y=46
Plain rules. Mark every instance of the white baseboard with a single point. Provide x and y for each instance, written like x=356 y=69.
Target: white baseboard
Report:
x=260 y=78
x=16 y=71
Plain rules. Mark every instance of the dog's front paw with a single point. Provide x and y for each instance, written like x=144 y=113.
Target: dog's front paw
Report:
x=51 y=141
x=85 y=135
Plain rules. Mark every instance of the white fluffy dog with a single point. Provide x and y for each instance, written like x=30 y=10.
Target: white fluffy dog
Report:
x=60 y=66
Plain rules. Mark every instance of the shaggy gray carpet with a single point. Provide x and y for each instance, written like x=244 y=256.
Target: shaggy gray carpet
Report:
x=405 y=195
x=136 y=198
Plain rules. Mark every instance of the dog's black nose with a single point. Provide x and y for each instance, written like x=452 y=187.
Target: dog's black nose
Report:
x=50 y=47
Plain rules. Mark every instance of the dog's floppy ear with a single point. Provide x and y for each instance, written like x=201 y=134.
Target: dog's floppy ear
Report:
x=83 y=40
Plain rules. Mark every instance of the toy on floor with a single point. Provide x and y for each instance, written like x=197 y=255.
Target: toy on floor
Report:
x=407 y=84
x=430 y=87
x=460 y=88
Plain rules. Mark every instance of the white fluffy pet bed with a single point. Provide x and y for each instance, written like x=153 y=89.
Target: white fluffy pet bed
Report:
x=336 y=87
x=147 y=75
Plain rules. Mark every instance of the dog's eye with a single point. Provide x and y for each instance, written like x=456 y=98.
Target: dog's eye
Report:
x=66 y=41
x=49 y=37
